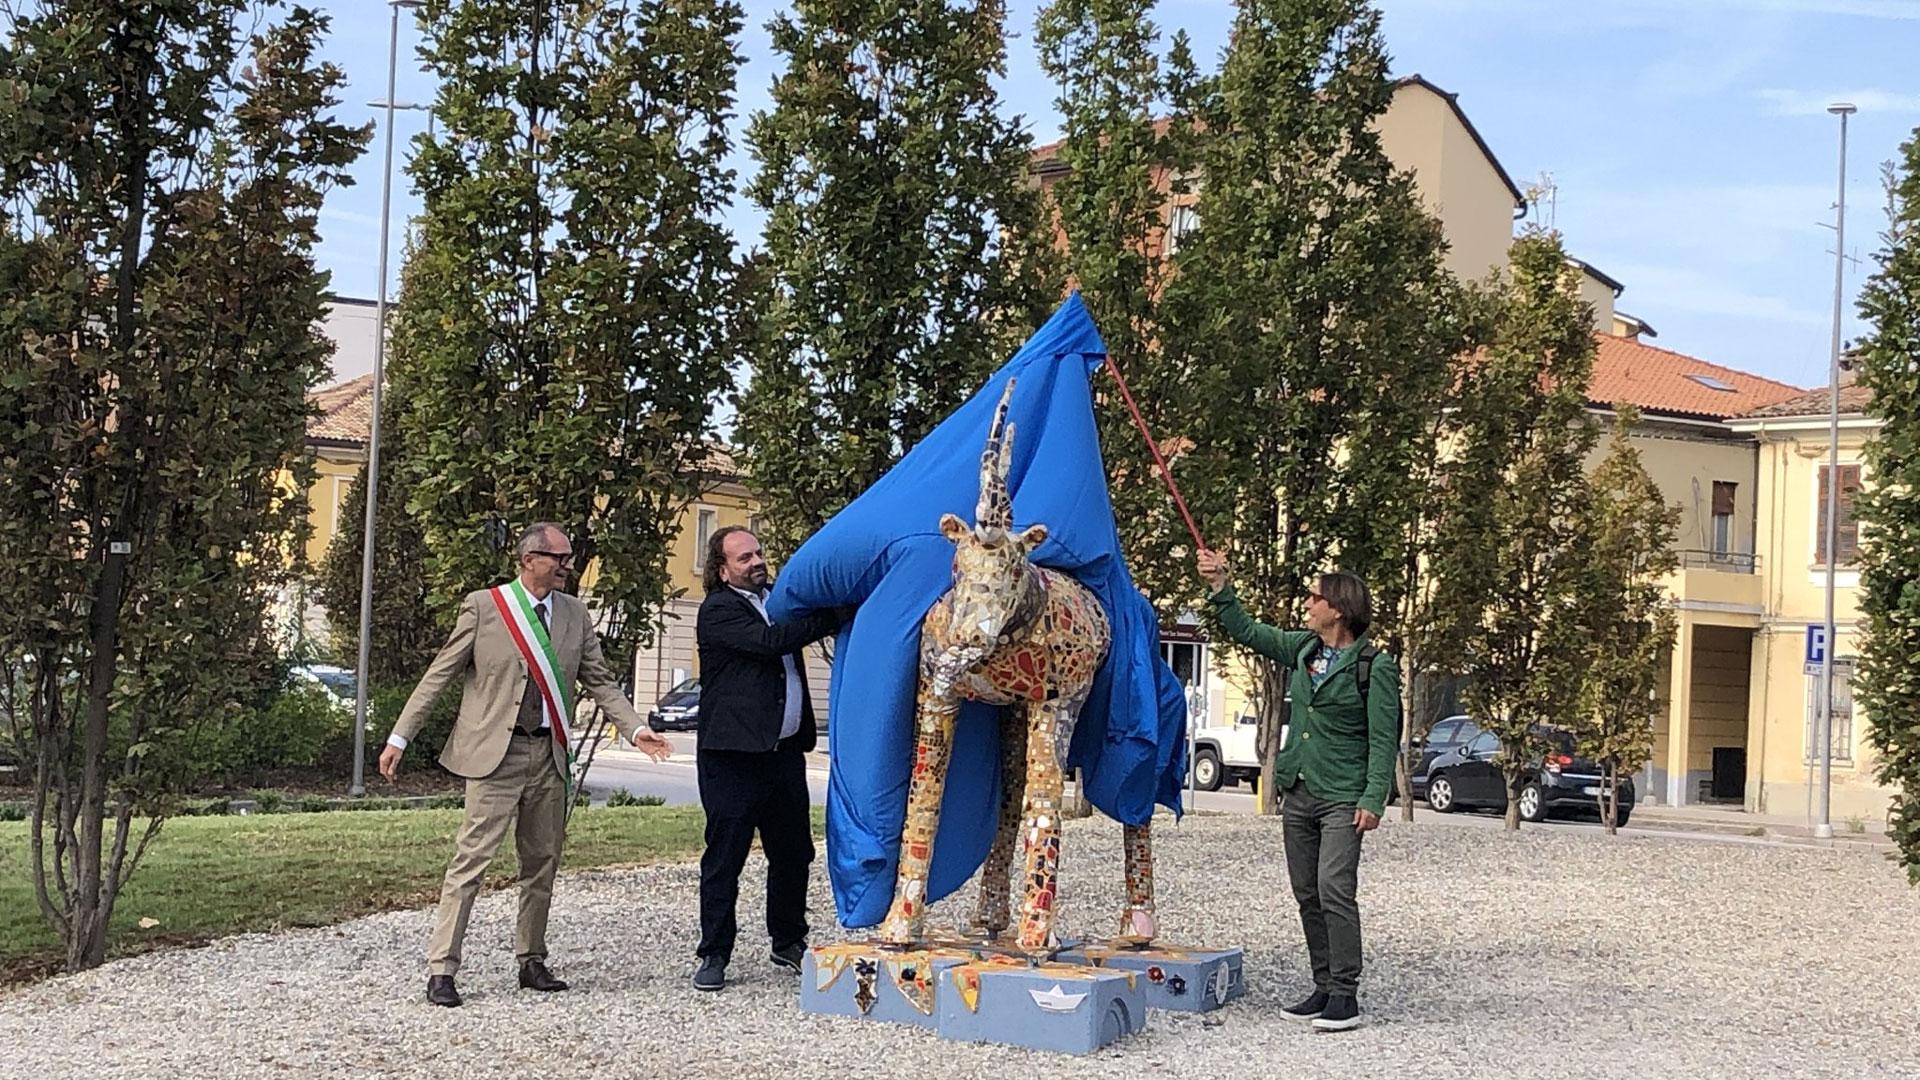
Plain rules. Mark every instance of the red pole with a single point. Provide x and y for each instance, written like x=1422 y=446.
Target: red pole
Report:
x=1165 y=473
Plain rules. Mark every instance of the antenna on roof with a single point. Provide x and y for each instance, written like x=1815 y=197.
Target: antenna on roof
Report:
x=1543 y=188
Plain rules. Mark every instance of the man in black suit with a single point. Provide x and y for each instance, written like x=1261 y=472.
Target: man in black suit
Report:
x=756 y=726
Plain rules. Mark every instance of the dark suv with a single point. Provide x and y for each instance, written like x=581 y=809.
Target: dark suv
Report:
x=1469 y=777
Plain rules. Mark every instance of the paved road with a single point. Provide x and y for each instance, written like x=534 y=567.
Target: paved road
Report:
x=673 y=780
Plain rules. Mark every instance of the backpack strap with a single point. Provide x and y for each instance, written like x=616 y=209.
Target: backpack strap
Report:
x=1364 y=670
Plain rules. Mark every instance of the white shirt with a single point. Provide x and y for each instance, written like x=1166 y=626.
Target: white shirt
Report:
x=542 y=606
x=790 y=719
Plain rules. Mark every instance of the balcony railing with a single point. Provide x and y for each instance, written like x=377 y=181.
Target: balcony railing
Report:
x=1729 y=562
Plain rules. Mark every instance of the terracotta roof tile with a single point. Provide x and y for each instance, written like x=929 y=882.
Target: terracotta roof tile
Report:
x=345 y=412
x=1853 y=399
x=1663 y=381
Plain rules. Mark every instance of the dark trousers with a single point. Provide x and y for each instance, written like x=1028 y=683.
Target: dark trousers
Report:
x=1323 y=861
x=743 y=791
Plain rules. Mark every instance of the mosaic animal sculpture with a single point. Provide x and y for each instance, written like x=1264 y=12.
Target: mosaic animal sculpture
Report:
x=1029 y=640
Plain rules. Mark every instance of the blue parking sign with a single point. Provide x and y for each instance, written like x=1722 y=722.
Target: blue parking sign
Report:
x=1816 y=643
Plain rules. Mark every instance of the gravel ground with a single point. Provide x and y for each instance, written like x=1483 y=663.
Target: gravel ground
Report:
x=1555 y=952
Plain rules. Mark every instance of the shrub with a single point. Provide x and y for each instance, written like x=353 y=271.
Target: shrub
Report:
x=269 y=802
x=291 y=731
x=623 y=797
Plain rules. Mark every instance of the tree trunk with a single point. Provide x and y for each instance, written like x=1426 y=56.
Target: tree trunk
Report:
x=87 y=924
x=1403 y=763
x=1514 y=784
x=1272 y=707
x=1610 y=800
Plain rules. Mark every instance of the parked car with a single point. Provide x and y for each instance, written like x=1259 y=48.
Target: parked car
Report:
x=678 y=709
x=1225 y=755
x=337 y=681
x=1445 y=735
x=1469 y=777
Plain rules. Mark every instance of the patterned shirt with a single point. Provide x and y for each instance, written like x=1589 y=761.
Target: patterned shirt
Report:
x=1320 y=662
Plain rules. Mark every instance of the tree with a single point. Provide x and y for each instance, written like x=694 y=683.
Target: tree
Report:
x=1889 y=365
x=905 y=254
x=573 y=301
x=1303 y=388
x=161 y=173
x=1114 y=207
x=1511 y=548
x=405 y=630
x=1629 y=622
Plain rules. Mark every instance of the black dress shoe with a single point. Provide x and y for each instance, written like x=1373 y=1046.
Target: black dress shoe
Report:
x=711 y=975
x=535 y=976
x=440 y=991
x=789 y=957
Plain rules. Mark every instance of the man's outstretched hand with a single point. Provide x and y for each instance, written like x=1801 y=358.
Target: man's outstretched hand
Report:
x=650 y=743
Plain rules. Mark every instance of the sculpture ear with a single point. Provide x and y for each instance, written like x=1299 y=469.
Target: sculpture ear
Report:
x=1033 y=537
x=952 y=527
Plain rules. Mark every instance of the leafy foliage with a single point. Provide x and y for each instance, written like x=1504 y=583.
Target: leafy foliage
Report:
x=161 y=172
x=572 y=303
x=1512 y=549
x=1303 y=388
x=406 y=630
x=1120 y=176
x=1629 y=622
x=1889 y=364
x=906 y=254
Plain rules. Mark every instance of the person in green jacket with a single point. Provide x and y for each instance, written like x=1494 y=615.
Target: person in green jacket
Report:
x=1333 y=771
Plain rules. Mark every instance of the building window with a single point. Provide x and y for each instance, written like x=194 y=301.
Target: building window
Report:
x=1723 y=516
x=1182 y=220
x=702 y=533
x=1842 y=715
x=1847 y=531
x=754 y=521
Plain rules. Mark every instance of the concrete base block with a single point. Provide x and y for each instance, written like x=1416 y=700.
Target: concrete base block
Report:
x=1067 y=1008
x=1174 y=977
x=860 y=979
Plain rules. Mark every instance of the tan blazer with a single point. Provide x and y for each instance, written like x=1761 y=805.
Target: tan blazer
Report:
x=496 y=679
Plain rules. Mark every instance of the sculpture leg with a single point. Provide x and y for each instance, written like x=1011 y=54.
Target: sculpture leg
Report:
x=1136 y=923
x=906 y=918
x=991 y=913
x=1046 y=741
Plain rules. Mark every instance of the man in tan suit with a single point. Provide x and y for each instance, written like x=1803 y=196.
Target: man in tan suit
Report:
x=520 y=649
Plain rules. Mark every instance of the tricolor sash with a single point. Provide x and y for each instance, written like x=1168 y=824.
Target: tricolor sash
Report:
x=556 y=693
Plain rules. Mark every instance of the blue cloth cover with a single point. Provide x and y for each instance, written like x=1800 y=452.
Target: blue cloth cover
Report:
x=884 y=552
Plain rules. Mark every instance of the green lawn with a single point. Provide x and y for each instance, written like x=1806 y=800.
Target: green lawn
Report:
x=209 y=876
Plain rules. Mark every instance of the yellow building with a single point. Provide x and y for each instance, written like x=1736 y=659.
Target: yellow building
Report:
x=1781 y=722
x=1710 y=470
x=1460 y=181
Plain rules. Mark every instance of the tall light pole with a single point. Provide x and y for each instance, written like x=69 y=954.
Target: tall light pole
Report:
x=1824 y=830
x=359 y=785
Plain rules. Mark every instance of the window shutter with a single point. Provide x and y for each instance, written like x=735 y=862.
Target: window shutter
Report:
x=1847 y=531
x=1723 y=496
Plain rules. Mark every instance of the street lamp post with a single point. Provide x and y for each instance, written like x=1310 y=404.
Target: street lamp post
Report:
x=1824 y=829
x=359 y=785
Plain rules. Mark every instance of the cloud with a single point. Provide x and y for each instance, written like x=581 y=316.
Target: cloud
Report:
x=1807 y=103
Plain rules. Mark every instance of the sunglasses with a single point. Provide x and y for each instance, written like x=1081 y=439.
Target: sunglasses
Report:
x=1314 y=597
x=564 y=558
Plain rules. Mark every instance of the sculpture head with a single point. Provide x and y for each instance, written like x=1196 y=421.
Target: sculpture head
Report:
x=995 y=589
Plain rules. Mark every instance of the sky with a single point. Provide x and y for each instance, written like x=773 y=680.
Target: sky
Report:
x=1687 y=141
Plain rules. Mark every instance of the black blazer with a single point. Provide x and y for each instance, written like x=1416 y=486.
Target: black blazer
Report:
x=743 y=684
